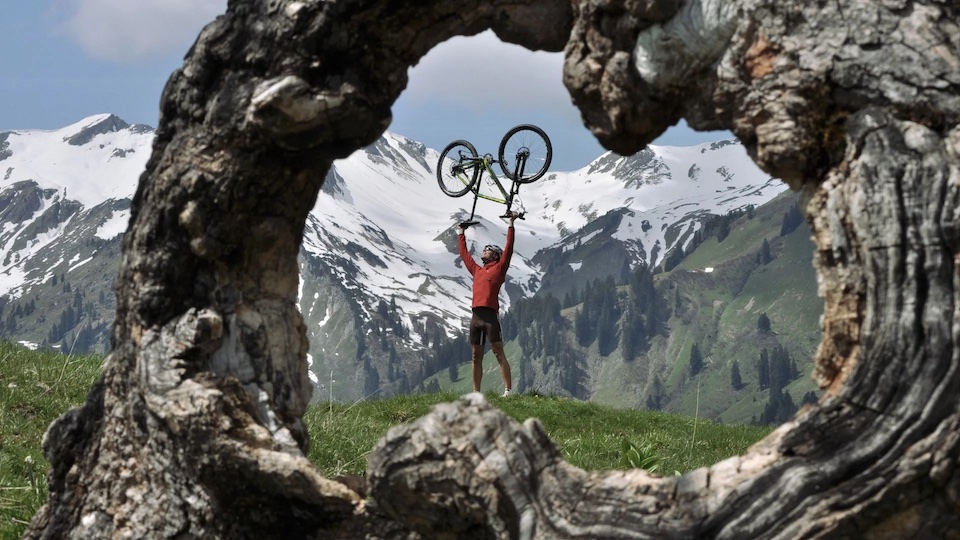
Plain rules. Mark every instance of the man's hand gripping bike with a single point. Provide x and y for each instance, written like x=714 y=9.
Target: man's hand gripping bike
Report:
x=524 y=156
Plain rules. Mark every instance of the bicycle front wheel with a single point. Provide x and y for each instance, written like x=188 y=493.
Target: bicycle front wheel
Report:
x=525 y=153
x=457 y=169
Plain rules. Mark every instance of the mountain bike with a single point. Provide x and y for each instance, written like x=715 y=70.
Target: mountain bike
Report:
x=524 y=156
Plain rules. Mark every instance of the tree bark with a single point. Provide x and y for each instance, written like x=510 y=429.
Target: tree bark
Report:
x=195 y=428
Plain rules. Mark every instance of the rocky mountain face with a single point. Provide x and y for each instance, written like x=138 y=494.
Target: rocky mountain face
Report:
x=64 y=204
x=382 y=287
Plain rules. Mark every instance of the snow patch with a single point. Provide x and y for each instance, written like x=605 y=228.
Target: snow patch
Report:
x=313 y=376
x=115 y=224
x=81 y=263
x=326 y=317
x=10 y=281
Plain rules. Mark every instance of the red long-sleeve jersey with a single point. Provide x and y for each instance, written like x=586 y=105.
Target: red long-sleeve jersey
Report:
x=487 y=279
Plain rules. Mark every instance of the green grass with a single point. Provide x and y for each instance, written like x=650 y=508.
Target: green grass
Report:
x=37 y=387
x=589 y=435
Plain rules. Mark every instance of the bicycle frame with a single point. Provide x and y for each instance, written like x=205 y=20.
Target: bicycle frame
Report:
x=486 y=164
x=460 y=167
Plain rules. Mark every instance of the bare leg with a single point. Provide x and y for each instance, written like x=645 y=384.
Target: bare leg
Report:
x=504 y=365
x=477 y=355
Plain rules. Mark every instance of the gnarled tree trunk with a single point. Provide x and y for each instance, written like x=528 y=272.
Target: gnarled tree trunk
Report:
x=195 y=428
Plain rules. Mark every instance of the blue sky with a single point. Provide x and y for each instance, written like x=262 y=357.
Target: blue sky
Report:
x=68 y=59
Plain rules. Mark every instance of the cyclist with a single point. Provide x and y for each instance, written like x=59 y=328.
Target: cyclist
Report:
x=487 y=280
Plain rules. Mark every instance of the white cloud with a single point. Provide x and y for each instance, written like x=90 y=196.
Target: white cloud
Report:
x=132 y=30
x=482 y=72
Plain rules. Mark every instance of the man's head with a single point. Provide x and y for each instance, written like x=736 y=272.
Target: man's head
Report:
x=491 y=253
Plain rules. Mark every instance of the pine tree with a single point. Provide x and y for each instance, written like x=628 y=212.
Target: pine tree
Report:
x=606 y=332
x=696 y=360
x=371 y=379
x=632 y=335
x=779 y=409
x=765 y=255
x=453 y=373
x=763 y=370
x=647 y=303
x=383 y=310
x=674 y=258
x=763 y=323
x=780 y=372
x=581 y=327
x=724 y=229
x=791 y=220
x=657 y=395
x=736 y=382
x=393 y=359
x=68 y=318
x=54 y=334
x=571 y=373
x=523 y=381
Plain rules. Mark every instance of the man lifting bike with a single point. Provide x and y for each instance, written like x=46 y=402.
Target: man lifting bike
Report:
x=485 y=324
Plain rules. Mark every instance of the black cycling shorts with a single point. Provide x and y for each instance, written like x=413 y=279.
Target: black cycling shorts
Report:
x=484 y=326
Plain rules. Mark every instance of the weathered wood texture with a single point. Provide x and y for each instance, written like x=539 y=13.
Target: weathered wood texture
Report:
x=195 y=430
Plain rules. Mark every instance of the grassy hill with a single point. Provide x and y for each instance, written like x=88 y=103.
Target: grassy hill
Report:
x=36 y=387
x=721 y=310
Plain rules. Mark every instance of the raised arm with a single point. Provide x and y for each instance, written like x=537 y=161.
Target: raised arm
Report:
x=464 y=252
x=508 y=247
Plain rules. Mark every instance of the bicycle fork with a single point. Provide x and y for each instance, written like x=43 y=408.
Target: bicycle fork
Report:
x=522 y=156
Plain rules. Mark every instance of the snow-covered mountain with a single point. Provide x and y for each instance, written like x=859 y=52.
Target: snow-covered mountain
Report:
x=381 y=280
x=50 y=178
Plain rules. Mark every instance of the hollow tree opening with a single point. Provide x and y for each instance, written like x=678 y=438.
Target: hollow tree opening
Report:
x=195 y=429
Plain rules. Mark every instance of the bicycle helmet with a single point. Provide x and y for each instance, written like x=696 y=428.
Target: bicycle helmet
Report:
x=496 y=250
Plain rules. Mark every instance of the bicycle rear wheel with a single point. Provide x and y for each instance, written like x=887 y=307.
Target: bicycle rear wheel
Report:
x=457 y=168
x=529 y=145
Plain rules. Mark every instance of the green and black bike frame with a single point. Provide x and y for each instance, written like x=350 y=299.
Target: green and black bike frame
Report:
x=486 y=162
